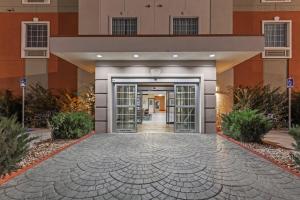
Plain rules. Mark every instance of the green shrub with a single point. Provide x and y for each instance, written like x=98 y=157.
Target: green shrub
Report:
x=41 y=105
x=296 y=108
x=295 y=132
x=246 y=125
x=71 y=125
x=10 y=105
x=14 y=144
x=272 y=102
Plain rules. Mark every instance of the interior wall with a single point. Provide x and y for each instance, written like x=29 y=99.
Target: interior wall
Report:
x=162 y=104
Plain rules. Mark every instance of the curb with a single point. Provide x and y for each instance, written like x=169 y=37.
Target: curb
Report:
x=273 y=161
x=14 y=174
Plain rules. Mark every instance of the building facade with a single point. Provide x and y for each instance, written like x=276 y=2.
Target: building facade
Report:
x=40 y=66
x=278 y=21
x=187 y=51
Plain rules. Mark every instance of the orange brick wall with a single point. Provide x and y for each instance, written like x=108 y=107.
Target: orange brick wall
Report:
x=61 y=74
x=251 y=71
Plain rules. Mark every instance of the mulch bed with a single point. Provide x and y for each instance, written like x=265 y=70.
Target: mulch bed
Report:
x=40 y=152
x=275 y=154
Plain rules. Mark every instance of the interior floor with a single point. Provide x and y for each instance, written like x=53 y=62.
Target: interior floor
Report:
x=157 y=124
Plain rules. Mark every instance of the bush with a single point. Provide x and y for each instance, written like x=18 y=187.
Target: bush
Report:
x=85 y=102
x=14 y=144
x=246 y=125
x=10 y=105
x=272 y=102
x=295 y=132
x=296 y=108
x=41 y=105
x=71 y=125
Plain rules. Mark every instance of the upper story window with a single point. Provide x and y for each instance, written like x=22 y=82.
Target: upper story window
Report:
x=124 y=26
x=35 y=1
x=277 y=38
x=35 y=39
x=185 y=26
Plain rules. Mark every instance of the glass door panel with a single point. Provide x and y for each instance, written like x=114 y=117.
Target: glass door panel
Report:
x=186 y=108
x=125 y=107
x=170 y=107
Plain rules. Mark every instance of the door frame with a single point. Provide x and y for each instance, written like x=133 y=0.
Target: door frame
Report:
x=173 y=78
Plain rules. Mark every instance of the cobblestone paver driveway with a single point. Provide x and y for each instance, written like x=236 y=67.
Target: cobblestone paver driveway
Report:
x=154 y=166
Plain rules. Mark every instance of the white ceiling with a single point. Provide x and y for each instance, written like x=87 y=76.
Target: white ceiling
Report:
x=224 y=60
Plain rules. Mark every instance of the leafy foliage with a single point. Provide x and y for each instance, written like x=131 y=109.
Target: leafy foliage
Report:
x=271 y=102
x=85 y=102
x=295 y=132
x=14 y=144
x=296 y=108
x=41 y=105
x=10 y=105
x=71 y=125
x=246 y=125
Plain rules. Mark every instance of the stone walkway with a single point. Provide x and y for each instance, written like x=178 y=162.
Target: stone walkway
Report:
x=154 y=166
x=280 y=138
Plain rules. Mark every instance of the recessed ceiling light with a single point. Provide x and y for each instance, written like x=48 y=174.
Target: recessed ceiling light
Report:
x=136 y=55
x=212 y=55
x=175 y=55
x=99 y=56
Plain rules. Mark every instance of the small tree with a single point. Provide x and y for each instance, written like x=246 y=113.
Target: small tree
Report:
x=14 y=144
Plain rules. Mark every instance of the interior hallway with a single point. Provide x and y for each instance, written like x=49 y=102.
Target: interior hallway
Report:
x=157 y=124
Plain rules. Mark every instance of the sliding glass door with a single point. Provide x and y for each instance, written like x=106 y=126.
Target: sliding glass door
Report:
x=125 y=112
x=186 y=105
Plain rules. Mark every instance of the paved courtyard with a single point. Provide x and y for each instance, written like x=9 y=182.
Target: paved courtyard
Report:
x=154 y=166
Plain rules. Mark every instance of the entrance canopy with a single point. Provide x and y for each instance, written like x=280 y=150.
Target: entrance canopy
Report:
x=226 y=50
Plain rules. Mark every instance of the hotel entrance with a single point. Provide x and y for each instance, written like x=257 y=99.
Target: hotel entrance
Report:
x=171 y=105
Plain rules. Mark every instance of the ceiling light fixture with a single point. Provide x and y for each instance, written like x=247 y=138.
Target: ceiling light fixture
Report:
x=175 y=56
x=99 y=56
x=212 y=55
x=136 y=55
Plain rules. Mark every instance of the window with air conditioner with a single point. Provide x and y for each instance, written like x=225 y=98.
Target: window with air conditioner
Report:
x=278 y=38
x=124 y=26
x=275 y=1
x=35 y=1
x=184 y=26
x=35 y=39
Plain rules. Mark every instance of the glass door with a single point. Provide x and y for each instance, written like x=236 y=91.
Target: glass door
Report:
x=125 y=117
x=186 y=108
x=170 y=107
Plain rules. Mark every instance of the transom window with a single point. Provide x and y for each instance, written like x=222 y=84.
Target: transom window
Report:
x=124 y=26
x=185 y=26
x=276 y=34
x=37 y=35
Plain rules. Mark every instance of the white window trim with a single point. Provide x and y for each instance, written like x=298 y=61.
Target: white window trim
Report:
x=110 y=19
x=289 y=39
x=44 y=2
x=276 y=1
x=171 y=22
x=23 y=40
